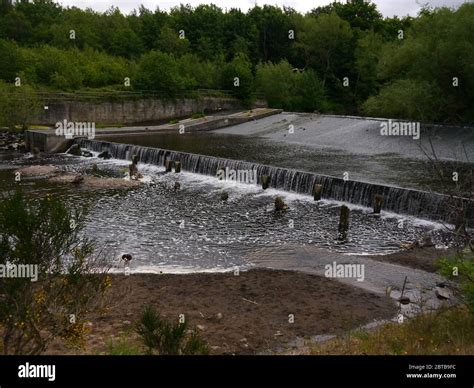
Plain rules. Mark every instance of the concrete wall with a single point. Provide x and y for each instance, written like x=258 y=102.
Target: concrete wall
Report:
x=132 y=112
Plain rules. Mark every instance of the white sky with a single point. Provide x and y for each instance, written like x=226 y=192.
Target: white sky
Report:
x=387 y=7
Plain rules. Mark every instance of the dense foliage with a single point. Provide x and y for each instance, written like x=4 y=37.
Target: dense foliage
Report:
x=342 y=58
x=70 y=280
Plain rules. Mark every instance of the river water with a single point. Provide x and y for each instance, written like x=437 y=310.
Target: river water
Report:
x=192 y=229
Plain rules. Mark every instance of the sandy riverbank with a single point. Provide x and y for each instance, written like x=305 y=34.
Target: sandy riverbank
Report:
x=255 y=308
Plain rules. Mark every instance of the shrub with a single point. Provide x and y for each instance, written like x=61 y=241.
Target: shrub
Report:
x=71 y=278
x=461 y=269
x=163 y=337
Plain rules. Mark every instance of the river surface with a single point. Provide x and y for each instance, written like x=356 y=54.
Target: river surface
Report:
x=192 y=229
x=383 y=168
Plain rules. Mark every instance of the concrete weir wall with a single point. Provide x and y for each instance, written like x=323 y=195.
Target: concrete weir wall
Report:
x=132 y=111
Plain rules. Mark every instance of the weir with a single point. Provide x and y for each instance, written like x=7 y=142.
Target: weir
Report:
x=421 y=204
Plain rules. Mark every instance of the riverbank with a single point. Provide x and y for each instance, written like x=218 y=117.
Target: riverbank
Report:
x=245 y=314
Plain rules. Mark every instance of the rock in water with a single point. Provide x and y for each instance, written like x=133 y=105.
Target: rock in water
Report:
x=78 y=179
x=404 y=300
x=426 y=241
x=133 y=169
x=75 y=150
x=127 y=258
x=105 y=154
x=280 y=204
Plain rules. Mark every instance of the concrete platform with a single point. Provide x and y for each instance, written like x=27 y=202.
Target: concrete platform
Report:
x=46 y=140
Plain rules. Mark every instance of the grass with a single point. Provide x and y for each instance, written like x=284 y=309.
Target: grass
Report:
x=198 y=116
x=122 y=347
x=174 y=121
x=442 y=332
x=38 y=126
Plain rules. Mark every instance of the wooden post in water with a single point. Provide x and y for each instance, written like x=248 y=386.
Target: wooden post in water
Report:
x=169 y=165
x=344 y=221
x=177 y=166
x=265 y=182
x=378 y=201
x=135 y=159
x=317 y=192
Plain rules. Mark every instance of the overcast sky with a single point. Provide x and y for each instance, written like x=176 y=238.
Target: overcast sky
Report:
x=387 y=7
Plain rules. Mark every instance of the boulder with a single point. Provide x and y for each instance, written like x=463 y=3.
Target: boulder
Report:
x=75 y=150
x=105 y=155
x=404 y=300
x=442 y=293
x=280 y=205
x=37 y=171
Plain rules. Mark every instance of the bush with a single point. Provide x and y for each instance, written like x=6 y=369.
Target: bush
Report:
x=440 y=332
x=18 y=105
x=290 y=90
x=163 y=337
x=406 y=99
x=122 y=347
x=159 y=71
x=461 y=270
x=71 y=279
x=239 y=67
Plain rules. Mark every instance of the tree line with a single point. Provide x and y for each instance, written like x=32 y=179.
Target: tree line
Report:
x=340 y=58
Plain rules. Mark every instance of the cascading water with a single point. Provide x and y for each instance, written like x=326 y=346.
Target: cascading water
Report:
x=416 y=203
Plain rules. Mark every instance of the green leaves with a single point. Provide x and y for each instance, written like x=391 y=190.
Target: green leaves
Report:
x=163 y=337
x=460 y=269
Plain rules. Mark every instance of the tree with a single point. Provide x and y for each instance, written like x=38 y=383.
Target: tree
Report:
x=159 y=71
x=11 y=61
x=325 y=41
x=273 y=25
x=438 y=50
x=288 y=88
x=19 y=105
x=406 y=99
x=169 y=42
x=360 y=14
x=367 y=56
x=237 y=76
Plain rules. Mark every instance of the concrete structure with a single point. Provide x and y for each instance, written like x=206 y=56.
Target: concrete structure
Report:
x=47 y=140
x=132 y=111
